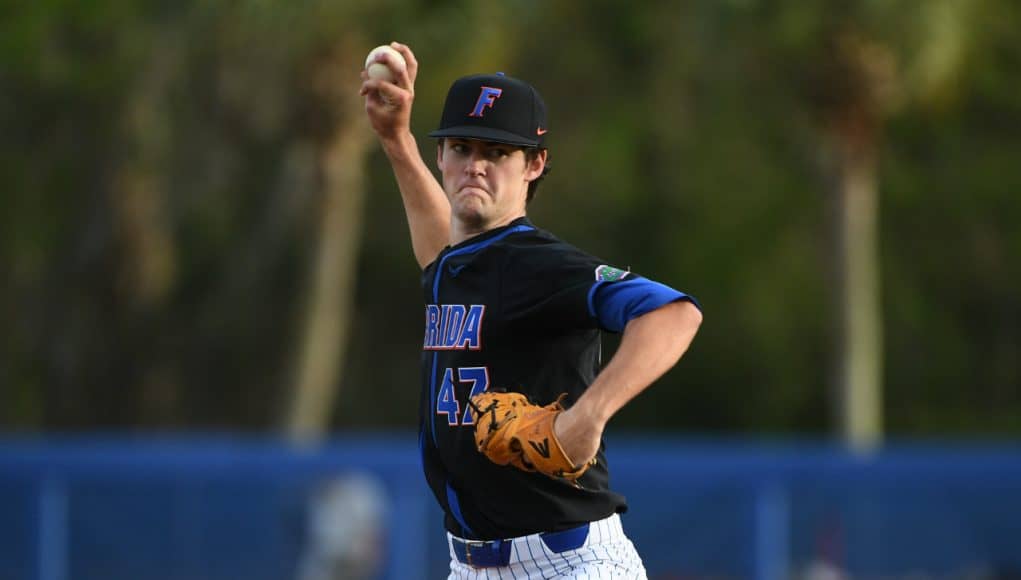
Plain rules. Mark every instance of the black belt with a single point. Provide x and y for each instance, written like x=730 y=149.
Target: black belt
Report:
x=493 y=553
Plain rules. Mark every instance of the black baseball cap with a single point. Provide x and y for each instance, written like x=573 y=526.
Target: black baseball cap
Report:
x=494 y=108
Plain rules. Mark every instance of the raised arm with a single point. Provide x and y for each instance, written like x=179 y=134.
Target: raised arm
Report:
x=388 y=106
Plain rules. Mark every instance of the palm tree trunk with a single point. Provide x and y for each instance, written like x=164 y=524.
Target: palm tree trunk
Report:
x=859 y=341
x=328 y=316
x=342 y=157
x=859 y=75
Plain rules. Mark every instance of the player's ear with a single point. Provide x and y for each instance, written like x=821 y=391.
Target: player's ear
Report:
x=535 y=164
x=439 y=153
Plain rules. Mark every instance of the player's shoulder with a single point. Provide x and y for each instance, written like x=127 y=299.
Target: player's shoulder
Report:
x=529 y=237
x=539 y=239
x=539 y=250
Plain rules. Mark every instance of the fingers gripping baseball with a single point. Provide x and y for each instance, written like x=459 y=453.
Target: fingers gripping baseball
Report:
x=388 y=85
x=509 y=430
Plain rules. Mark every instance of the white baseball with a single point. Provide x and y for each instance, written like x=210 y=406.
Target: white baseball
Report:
x=380 y=71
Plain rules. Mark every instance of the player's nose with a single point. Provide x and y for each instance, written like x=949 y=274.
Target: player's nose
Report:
x=476 y=165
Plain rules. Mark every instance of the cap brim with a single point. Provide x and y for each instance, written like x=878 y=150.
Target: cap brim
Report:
x=486 y=134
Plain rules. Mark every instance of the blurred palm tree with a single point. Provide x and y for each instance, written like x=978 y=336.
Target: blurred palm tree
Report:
x=341 y=141
x=859 y=63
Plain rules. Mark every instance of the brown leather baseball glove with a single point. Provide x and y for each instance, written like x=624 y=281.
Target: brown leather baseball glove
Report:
x=510 y=430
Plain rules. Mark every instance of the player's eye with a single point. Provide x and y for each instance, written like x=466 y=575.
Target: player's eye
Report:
x=497 y=152
x=459 y=148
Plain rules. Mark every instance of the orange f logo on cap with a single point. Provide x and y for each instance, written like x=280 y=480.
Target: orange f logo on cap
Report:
x=487 y=97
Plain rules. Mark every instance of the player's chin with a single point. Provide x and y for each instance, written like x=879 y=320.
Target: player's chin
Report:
x=469 y=212
x=469 y=203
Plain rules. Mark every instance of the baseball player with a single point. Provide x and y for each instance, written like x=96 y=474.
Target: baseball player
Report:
x=514 y=403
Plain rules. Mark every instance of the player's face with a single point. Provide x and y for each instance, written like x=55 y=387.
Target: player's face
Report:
x=486 y=182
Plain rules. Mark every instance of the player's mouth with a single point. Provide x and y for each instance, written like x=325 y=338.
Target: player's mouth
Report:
x=473 y=189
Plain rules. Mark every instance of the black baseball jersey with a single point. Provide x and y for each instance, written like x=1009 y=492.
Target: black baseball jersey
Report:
x=509 y=309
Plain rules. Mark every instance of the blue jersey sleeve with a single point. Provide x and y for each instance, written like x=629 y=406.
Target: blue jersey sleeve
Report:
x=614 y=304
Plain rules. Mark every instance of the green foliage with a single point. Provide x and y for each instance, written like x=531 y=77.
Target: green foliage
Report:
x=684 y=144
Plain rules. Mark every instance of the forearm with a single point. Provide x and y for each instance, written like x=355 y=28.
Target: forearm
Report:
x=650 y=345
x=425 y=204
x=388 y=107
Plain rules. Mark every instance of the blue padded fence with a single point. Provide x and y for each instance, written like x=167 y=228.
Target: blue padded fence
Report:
x=357 y=507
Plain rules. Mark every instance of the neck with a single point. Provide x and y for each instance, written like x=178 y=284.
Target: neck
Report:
x=461 y=230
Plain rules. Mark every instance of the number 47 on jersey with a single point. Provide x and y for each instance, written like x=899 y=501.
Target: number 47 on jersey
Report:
x=446 y=401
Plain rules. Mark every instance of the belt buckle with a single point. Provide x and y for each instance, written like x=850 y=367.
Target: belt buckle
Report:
x=468 y=544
